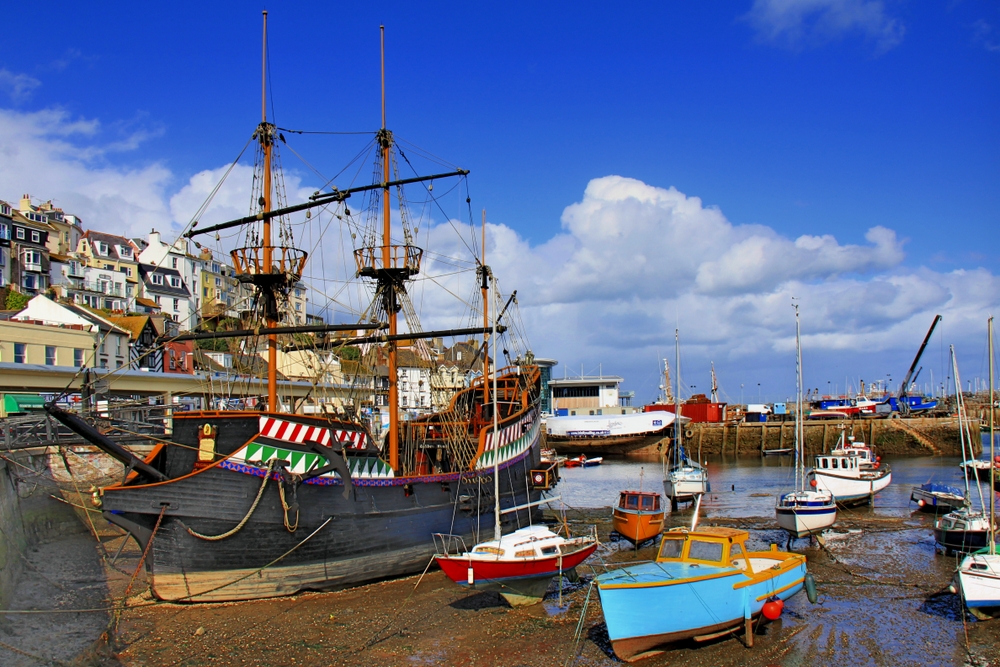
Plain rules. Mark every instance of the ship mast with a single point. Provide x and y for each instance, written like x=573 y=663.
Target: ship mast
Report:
x=484 y=272
x=385 y=139
x=265 y=135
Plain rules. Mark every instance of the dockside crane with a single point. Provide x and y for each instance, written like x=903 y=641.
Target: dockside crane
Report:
x=902 y=403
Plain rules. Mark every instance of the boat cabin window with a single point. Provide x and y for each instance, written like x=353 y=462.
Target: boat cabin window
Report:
x=524 y=553
x=632 y=502
x=671 y=548
x=834 y=462
x=700 y=550
x=550 y=551
x=823 y=463
x=647 y=502
x=488 y=550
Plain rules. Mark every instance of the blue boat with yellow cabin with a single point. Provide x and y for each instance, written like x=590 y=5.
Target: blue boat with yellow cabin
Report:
x=702 y=585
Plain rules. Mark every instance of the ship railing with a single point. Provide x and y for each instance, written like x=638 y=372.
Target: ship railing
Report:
x=284 y=261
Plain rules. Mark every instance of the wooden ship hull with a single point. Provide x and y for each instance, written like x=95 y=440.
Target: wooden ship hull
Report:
x=293 y=535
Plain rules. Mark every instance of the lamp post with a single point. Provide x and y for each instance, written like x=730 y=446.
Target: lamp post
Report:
x=758 y=392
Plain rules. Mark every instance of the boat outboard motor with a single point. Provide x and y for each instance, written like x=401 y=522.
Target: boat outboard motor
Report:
x=104 y=443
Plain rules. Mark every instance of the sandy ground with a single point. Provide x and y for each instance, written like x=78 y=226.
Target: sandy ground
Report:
x=881 y=603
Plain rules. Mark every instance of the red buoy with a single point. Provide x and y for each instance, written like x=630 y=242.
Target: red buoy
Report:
x=921 y=503
x=772 y=609
x=812 y=482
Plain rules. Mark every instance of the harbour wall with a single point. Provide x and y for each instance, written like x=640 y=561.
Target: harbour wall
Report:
x=29 y=515
x=922 y=436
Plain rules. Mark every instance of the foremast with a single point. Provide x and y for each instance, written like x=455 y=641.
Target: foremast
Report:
x=257 y=264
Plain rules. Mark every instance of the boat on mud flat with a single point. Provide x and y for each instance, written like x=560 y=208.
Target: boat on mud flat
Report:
x=937 y=497
x=803 y=512
x=252 y=504
x=519 y=566
x=638 y=516
x=704 y=584
x=847 y=478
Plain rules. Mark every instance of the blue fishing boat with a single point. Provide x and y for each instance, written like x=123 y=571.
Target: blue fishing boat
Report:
x=938 y=497
x=702 y=585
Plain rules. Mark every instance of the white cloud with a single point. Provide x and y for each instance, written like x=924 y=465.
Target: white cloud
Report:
x=51 y=155
x=798 y=23
x=632 y=262
x=20 y=87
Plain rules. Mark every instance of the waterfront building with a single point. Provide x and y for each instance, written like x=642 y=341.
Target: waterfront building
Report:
x=41 y=344
x=588 y=395
x=108 y=254
x=165 y=287
x=109 y=344
x=6 y=226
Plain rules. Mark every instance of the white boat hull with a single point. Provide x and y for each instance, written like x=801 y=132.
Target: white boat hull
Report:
x=979 y=582
x=684 y=486
x=806 y=512
x=851 y=490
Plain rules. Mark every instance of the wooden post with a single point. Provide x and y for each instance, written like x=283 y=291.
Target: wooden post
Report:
x=763 y=436
x=823 y=450
x=781 y=437
x=701 y=436
x=749 y=630
x=736 y=445
x=725 y=430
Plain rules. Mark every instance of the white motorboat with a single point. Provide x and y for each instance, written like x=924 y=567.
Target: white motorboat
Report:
x=843 y=476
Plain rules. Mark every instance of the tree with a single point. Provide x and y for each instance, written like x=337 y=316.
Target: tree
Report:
x=16 y=301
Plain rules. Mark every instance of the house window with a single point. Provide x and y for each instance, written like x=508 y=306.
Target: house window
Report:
x=29 y=281
x=36 y=237
x=128 y=271
x=4 y=231
x=65 y=237
x=78 y=357
x=20 y=233
x=118 y=346
x=32 y=260
x=177 y=305
x=173 y=361
x=175 y=281
x=19 y=353
x=50 y=355
x=173 y=262
x=156 y=279
x=109 y=267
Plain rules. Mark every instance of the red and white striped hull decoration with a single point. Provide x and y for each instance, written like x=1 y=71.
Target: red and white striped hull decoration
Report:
x=288 y=431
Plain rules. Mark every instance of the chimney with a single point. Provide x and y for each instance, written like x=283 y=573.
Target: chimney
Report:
x=25 y=203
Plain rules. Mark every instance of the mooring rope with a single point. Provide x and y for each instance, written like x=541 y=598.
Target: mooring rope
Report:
x=239 y=526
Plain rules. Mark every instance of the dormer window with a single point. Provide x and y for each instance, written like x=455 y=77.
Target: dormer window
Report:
x=124 y=251
x=175 y=281
x=4 y=209
x=101 y=247
x=156 y=279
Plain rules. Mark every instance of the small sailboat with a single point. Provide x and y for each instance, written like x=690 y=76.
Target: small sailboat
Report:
x=684 y=480
x=978 y=577
x=582 y=461
x=519 y=565
x=638 y=516
x=704 y=584
x=803 y=512
x=965 y=529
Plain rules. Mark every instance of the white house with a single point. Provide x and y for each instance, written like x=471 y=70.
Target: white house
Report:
x=111 y=343
x=175 y=257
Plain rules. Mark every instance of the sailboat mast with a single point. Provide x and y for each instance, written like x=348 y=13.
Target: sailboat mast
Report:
x=387 y=263
x=799 y=453
x=677 y=396
x=484 y=286
x=265 y=139
x=993 y=466
x=496 y=432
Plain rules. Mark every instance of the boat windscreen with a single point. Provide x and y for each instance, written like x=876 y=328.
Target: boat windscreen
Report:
x=671 y=548
x=705 y=550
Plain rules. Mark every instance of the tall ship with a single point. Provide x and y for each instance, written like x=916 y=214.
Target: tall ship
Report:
x=248 y=504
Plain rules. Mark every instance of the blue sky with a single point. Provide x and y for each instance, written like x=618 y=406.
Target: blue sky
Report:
x=778 y=123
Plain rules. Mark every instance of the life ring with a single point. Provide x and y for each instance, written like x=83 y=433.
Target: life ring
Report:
x=689 y=433
x=538 y=477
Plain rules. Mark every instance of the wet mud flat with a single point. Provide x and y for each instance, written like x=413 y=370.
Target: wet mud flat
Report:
x=883 y=601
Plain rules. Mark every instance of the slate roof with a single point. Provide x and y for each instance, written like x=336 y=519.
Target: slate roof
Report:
x=147 y=270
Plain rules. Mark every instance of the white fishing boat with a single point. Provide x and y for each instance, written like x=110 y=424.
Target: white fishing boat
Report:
x=803 y=512
x=978 y=577
x=684 y=480
x=844 y=477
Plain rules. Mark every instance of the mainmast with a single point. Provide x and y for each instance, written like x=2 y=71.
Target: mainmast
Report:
x=484 y=276
x=385 y=140
x=266 y=135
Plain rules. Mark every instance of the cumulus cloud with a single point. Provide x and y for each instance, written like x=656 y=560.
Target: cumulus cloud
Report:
x=798 y=23
x=53 y=155
x=631 y=263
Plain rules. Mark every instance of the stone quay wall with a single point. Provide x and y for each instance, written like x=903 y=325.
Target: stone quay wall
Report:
x=919 y=436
